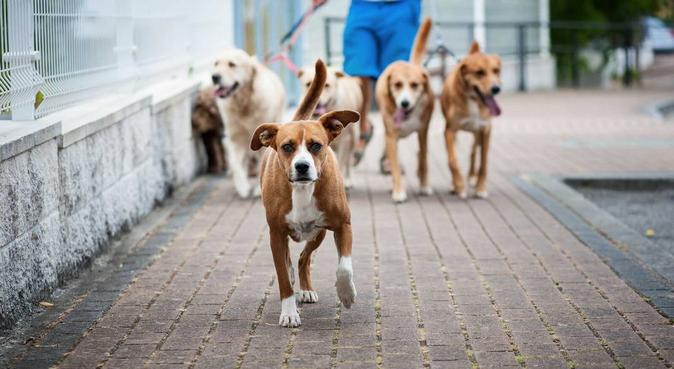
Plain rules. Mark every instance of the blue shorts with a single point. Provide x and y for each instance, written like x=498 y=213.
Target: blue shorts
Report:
x=377 y=33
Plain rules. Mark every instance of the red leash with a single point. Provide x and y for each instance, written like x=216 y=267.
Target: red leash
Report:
x=292 y=36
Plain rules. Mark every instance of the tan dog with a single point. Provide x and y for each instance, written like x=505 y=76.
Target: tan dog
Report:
x=405 y=99
x=248 y=93
x=468 y=104
x=339 y=92
x=303 y=196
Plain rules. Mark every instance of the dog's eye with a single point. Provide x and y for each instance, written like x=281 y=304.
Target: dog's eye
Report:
x=315 y=147
x=288 y=148
x=308 y=84
x=327 y=85
x=480 y=73
x=414 y=85
x=398 y=85
x=496 y=71
x=231 y=64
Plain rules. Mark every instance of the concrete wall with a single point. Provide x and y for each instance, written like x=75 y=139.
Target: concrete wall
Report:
x=73 y=181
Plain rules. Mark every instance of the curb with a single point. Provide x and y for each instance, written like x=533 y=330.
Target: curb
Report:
x=620 y=247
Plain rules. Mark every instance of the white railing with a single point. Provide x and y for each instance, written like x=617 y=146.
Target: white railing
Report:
x=55 y=53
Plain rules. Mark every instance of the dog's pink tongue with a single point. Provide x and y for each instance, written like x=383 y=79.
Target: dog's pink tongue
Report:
x=492 y=105
x=399 y=116
x=320 y=110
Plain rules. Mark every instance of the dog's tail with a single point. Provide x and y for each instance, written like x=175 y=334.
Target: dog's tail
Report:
x=310 y=100
x=420 y=42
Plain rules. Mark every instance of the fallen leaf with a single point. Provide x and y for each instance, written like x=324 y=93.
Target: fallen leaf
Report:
x=650 y=232
x=46 y=304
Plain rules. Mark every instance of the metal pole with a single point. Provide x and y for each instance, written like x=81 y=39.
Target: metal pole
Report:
x=328 y=45
x=522 y=53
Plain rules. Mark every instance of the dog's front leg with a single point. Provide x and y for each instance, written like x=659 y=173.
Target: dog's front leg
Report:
x=481 y=187
x=346 y=289
x=459 y=186
x=307 y=293
x=472 y=170
x=236 y=157
x=399 y=193
x=422 y=169
x=290 y=317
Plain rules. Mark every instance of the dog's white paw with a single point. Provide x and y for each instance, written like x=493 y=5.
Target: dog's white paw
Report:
x=482 y=194
x=348 y=183
x=307 y=296
x=472 y=181
x=242 y=187
x=399 y=196
x=257 y=191
x=290 y=317
x=462 y=194
x=346 y=290
x=426 y=191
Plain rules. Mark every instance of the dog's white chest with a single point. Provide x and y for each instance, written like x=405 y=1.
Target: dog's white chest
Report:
x=473 y=122
x=304 y=219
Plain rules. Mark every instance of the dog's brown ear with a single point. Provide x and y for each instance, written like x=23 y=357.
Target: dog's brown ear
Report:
x=339 y=74
x=264 y=135
x=474 y=48
x=335 y=121
x=460 y=83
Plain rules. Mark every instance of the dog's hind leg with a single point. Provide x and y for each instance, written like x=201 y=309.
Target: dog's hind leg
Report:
x=346 y=290
x=290 y=317
x=307 y=293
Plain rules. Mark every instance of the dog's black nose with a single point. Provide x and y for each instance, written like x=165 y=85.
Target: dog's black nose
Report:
x=495 y=90
x=216 y=78
x=405 y=104
x=302 y=168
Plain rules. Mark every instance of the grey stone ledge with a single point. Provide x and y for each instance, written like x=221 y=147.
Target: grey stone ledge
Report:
x=88 y=118
x=169 y=92
x=19 y=136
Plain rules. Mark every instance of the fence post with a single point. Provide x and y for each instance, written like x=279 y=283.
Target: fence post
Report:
x=522 y=55
x=627 y=45
x=575 y=72
x=125 y=48
x=328 y=45
x=24 y=79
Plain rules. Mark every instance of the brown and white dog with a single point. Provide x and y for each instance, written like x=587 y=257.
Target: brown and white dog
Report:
x=340 y=92
x=303 y=195
x=207 y=122
x=248 y=93
x=405 y=99
x=468 y=103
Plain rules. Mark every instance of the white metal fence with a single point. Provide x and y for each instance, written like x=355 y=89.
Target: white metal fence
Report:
x=56 y=52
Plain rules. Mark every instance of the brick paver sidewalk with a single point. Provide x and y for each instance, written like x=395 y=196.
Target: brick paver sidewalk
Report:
x=442 y=282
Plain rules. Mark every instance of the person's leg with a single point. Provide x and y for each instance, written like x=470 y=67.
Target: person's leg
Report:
x=397 y=31
x=365 y=126
x=361 y=59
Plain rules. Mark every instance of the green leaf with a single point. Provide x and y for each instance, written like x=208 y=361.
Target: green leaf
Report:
x=39 y=98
